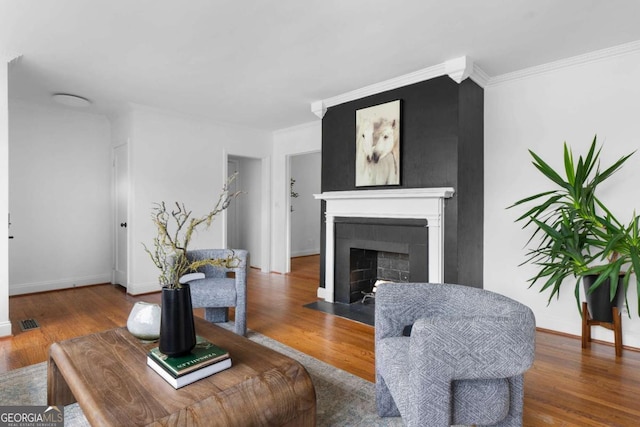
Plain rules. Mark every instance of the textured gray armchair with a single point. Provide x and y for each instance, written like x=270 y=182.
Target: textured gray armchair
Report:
x=217 y=292
x=464 y=360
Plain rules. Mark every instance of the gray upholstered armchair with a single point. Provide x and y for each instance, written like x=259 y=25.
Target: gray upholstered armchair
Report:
x=464 y=360
x=217 y=292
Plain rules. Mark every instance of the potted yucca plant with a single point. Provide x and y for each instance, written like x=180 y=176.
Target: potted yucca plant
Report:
x=574 y=235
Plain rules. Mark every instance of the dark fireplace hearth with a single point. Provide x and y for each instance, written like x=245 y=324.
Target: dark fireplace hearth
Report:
x=370 y=249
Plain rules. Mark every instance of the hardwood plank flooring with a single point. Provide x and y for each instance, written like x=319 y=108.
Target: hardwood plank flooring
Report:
x=567 y=386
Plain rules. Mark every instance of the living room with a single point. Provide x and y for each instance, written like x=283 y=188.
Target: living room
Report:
x=564 y=87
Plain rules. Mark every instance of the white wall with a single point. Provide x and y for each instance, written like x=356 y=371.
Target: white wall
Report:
x=5 y=323
x=60 y=198
x=305 y=217
x=540 y=112
x=121 y=128
x=175 y=158
x=287 y=142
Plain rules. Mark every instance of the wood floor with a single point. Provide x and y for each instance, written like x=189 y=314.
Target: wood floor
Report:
x=567 y=386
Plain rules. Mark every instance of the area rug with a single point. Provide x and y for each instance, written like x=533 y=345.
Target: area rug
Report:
x=342 y=398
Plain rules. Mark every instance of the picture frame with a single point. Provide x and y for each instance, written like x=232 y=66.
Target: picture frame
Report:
x=378 y=145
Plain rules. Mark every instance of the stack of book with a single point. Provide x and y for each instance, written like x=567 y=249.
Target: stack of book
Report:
x=204 y=360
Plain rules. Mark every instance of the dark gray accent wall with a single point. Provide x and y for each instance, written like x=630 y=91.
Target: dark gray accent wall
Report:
x=441 y=146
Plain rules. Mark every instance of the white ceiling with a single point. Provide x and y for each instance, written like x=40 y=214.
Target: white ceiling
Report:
x=260 y=63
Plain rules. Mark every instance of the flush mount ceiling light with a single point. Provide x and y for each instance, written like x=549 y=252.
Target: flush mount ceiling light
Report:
x=71 y=100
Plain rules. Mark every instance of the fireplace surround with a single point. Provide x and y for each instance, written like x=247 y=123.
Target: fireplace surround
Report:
x=405 y=207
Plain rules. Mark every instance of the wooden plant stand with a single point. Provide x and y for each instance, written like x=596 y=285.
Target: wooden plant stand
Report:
x=615 y=326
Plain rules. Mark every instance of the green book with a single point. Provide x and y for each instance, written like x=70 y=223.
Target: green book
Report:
x=203 y=354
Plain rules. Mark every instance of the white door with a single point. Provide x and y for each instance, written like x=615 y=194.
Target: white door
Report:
x=121 y=180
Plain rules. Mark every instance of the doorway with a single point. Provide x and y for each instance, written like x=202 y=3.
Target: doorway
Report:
x=244 y=215
x=304 y=209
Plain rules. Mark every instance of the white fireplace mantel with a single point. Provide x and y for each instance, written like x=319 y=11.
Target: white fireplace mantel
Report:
x=405 y=203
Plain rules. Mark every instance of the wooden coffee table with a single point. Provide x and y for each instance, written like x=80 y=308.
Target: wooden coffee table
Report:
x=107 y=374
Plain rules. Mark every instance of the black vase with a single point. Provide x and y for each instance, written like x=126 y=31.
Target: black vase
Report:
x=177 y=330
x=599 y=302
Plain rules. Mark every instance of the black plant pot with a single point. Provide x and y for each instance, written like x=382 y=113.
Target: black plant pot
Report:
x=177 y=330
x=599 y=301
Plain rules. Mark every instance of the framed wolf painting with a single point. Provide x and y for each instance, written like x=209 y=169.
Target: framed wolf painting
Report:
x=378 y=145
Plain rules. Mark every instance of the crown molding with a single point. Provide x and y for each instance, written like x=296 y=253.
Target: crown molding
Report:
x=479 y=76
x=595 y=56
x=318 y=108
x=458 y=69
x=463 y=67
x=10 y=57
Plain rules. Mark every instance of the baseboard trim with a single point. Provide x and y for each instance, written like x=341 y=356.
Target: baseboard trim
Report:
x=322 y=293
x=30 y=288
x=305 y=252
x=579 y=338
x=5 y=329
x=143 y=288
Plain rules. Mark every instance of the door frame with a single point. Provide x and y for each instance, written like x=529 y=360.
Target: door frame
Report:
x=265 y=203
x=287 y=205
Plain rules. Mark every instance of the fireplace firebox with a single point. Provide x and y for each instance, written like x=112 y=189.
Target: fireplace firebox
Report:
x=369 y=266
x=370 y=249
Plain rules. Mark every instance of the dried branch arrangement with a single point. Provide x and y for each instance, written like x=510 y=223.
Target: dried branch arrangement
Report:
x=175 y=229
